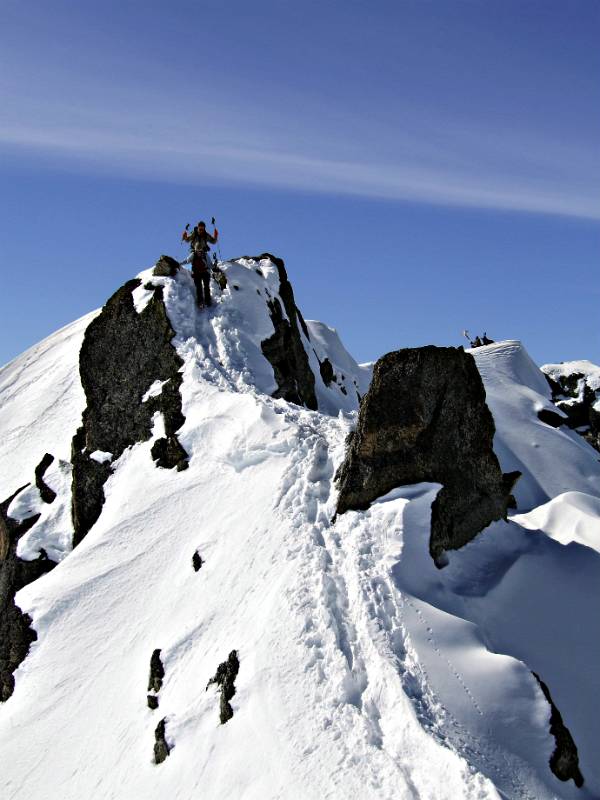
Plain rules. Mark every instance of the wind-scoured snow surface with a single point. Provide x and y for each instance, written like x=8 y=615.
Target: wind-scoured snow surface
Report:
x=364 y=671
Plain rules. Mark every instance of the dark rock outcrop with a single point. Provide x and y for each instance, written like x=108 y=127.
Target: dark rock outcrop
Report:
x=122 y=354
x=564 y=761
x=326 y=370
x=16 y=633
x=219 y=277
x=155 y=681
x=425 y=418
x=284 y=349
x=197 y=561
x=161 y=746
x=572 y=395
x=168 y=453
x=225 y=678
x=165 y=267
x=47 y=494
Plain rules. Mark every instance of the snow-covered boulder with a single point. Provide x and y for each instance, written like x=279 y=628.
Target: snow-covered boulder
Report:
x=576 y=391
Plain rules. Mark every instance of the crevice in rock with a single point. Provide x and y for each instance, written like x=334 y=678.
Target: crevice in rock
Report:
x=284 y=349
x=161 y=746
x=564 y=761
x=122 y=354
x=47 y=494
x=425 y=418
x=16 y=632
x=225 y=678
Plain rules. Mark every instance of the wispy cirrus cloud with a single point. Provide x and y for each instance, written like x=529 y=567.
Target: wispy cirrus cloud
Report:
x=418 y=158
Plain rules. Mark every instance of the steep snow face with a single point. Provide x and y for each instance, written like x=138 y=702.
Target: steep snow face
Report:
x=552 y=460
x=229 y=335
x=41 y=401
x=362 y=669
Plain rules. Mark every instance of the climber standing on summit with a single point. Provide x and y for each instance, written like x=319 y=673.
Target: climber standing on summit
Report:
x=199 y=240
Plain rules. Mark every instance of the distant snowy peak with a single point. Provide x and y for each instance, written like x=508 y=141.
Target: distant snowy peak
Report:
x=529 y=434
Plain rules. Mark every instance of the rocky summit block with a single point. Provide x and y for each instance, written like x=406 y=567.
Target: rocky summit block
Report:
x=166 y=267
x=425 y=418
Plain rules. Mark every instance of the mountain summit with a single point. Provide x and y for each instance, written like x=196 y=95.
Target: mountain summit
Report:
x=236 y=563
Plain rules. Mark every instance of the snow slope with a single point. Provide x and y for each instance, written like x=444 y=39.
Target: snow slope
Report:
x=41 y=404
x=363 y=669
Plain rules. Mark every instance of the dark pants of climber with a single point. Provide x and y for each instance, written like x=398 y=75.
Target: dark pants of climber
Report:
x=201 y=276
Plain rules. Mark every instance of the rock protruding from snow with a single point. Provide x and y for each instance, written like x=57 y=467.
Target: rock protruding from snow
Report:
x=162 y=748
x=284 y=349
x=564 y=761
x=424 y=418
x=47 y=494
x=225 y=677
x=123 y=354
x=16 y=632
x=165 y=267
x=155 y=681
x=575 y=389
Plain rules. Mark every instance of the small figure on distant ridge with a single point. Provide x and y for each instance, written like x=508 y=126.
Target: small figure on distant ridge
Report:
x=199 y=240
x=478 y=341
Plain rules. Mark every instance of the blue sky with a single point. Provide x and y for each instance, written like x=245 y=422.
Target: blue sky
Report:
x=421 y=166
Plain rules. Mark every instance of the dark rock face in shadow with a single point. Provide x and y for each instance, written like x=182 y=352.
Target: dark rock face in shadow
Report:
x=16 y=633
x=225 y=678
x=564 y=761
x=425 y=418
x=122 y=354
x=284 y=349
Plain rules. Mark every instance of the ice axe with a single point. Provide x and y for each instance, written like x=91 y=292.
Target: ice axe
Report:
x=214 y=224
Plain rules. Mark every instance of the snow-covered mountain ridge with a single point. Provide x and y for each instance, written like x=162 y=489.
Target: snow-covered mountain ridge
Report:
x=362 y=667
